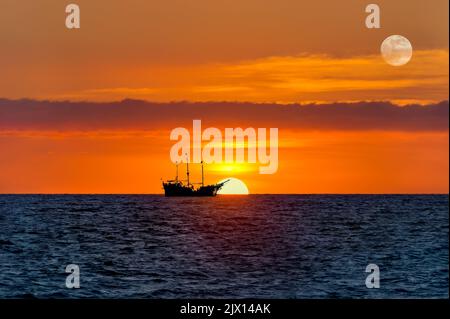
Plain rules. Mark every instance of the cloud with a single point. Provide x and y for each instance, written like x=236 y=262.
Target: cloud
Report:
x=282 y=79
x=136 y=115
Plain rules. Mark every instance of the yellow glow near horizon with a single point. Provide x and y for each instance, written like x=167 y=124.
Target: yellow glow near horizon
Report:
x=232 y=167
x=234 y=186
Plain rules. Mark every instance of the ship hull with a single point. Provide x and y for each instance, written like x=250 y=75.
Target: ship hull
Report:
x=179 y=190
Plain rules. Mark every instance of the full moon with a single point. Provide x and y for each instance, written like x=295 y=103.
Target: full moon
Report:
x=234 y=186
x=396 y=50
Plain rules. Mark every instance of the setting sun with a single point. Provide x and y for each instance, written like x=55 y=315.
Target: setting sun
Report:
x=234 y=186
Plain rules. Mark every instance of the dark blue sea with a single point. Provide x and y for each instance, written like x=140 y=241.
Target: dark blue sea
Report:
x=258 y=246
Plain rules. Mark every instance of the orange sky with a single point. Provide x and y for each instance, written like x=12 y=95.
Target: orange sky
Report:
x=285 y=51
x=335 y=162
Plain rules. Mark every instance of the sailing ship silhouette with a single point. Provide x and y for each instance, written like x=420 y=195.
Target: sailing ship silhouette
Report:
x=177 y=187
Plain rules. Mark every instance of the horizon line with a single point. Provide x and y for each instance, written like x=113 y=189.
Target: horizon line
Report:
x=162 y=194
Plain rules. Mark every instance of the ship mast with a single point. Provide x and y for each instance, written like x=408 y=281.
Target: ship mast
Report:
x=203 y=179
x=176 y=177
x=187 y=169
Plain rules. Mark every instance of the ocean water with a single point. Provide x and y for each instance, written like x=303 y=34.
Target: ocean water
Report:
x=259 y=246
